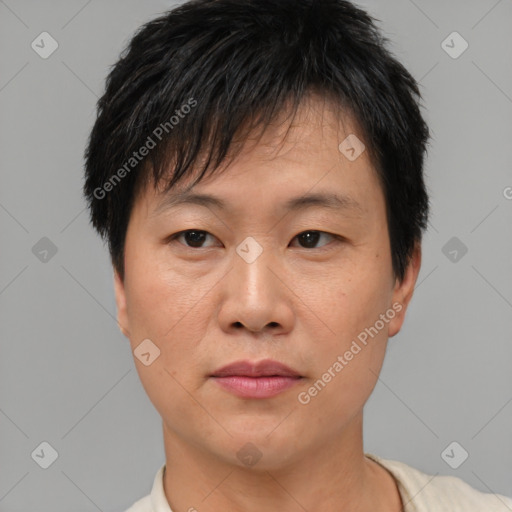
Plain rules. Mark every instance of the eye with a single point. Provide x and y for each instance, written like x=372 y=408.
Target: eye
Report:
x=194 y=238
x=310 y=238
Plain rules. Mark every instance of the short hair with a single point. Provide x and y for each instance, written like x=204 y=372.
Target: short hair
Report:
x=206 y=71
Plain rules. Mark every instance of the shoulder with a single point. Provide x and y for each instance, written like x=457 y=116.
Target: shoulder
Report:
x=156 y=501
x=422 y=492
x=142 y=505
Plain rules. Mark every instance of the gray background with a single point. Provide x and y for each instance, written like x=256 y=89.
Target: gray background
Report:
x=66 y=373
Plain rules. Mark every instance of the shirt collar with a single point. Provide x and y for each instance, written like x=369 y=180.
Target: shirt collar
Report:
x=159 y=501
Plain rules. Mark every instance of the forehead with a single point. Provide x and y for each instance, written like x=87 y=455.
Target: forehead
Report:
x=297 y=161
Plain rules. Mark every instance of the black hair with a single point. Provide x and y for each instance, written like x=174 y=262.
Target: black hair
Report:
x=206 y=71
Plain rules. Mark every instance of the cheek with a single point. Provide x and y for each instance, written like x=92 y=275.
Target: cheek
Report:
x=159 y=300
x=164 y=309
x=350 y=304
x=351 y=298
x=346 y=371
x=174 y=311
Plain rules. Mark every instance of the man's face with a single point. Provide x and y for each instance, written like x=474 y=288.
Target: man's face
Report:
x=298 y=286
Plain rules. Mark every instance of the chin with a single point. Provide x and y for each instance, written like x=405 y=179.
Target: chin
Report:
x=254 y=449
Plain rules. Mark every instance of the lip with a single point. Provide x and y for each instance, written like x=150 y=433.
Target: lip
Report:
x=263 y=379
x=264 y=368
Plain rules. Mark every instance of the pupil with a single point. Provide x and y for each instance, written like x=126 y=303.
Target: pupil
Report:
x=310 y=238
x=194 y=237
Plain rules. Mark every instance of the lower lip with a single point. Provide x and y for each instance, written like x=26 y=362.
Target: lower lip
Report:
x=256 y=387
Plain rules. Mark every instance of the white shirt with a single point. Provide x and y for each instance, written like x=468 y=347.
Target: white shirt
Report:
x=420 y=492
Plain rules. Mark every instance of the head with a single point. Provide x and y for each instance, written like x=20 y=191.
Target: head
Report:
x=296 y=117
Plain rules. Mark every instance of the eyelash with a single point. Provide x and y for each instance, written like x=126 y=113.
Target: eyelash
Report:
x=174 y=237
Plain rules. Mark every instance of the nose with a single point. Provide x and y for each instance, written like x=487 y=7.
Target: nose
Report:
x=256 y=293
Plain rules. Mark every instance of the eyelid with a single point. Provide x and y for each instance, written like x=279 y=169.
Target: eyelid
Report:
x=325 y=246
x=173 y=237
x=334 y=236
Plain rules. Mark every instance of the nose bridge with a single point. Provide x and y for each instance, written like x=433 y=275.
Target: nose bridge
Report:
x=253 y=259
x=255 y=297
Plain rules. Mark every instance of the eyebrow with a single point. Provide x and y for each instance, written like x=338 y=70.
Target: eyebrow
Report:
x=326 y=200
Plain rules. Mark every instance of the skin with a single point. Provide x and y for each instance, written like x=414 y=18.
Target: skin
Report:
x=204 y=307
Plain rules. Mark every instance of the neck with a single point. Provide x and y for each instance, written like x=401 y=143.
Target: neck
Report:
x=330 y=477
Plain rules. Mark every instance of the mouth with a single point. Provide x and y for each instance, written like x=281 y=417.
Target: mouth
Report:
x=264 y=379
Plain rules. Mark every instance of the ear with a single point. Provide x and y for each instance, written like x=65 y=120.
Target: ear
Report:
x=402 y=293
x=122 y=316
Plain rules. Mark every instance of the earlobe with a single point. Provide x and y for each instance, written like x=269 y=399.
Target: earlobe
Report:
x=404 y=290
x=122 y=317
